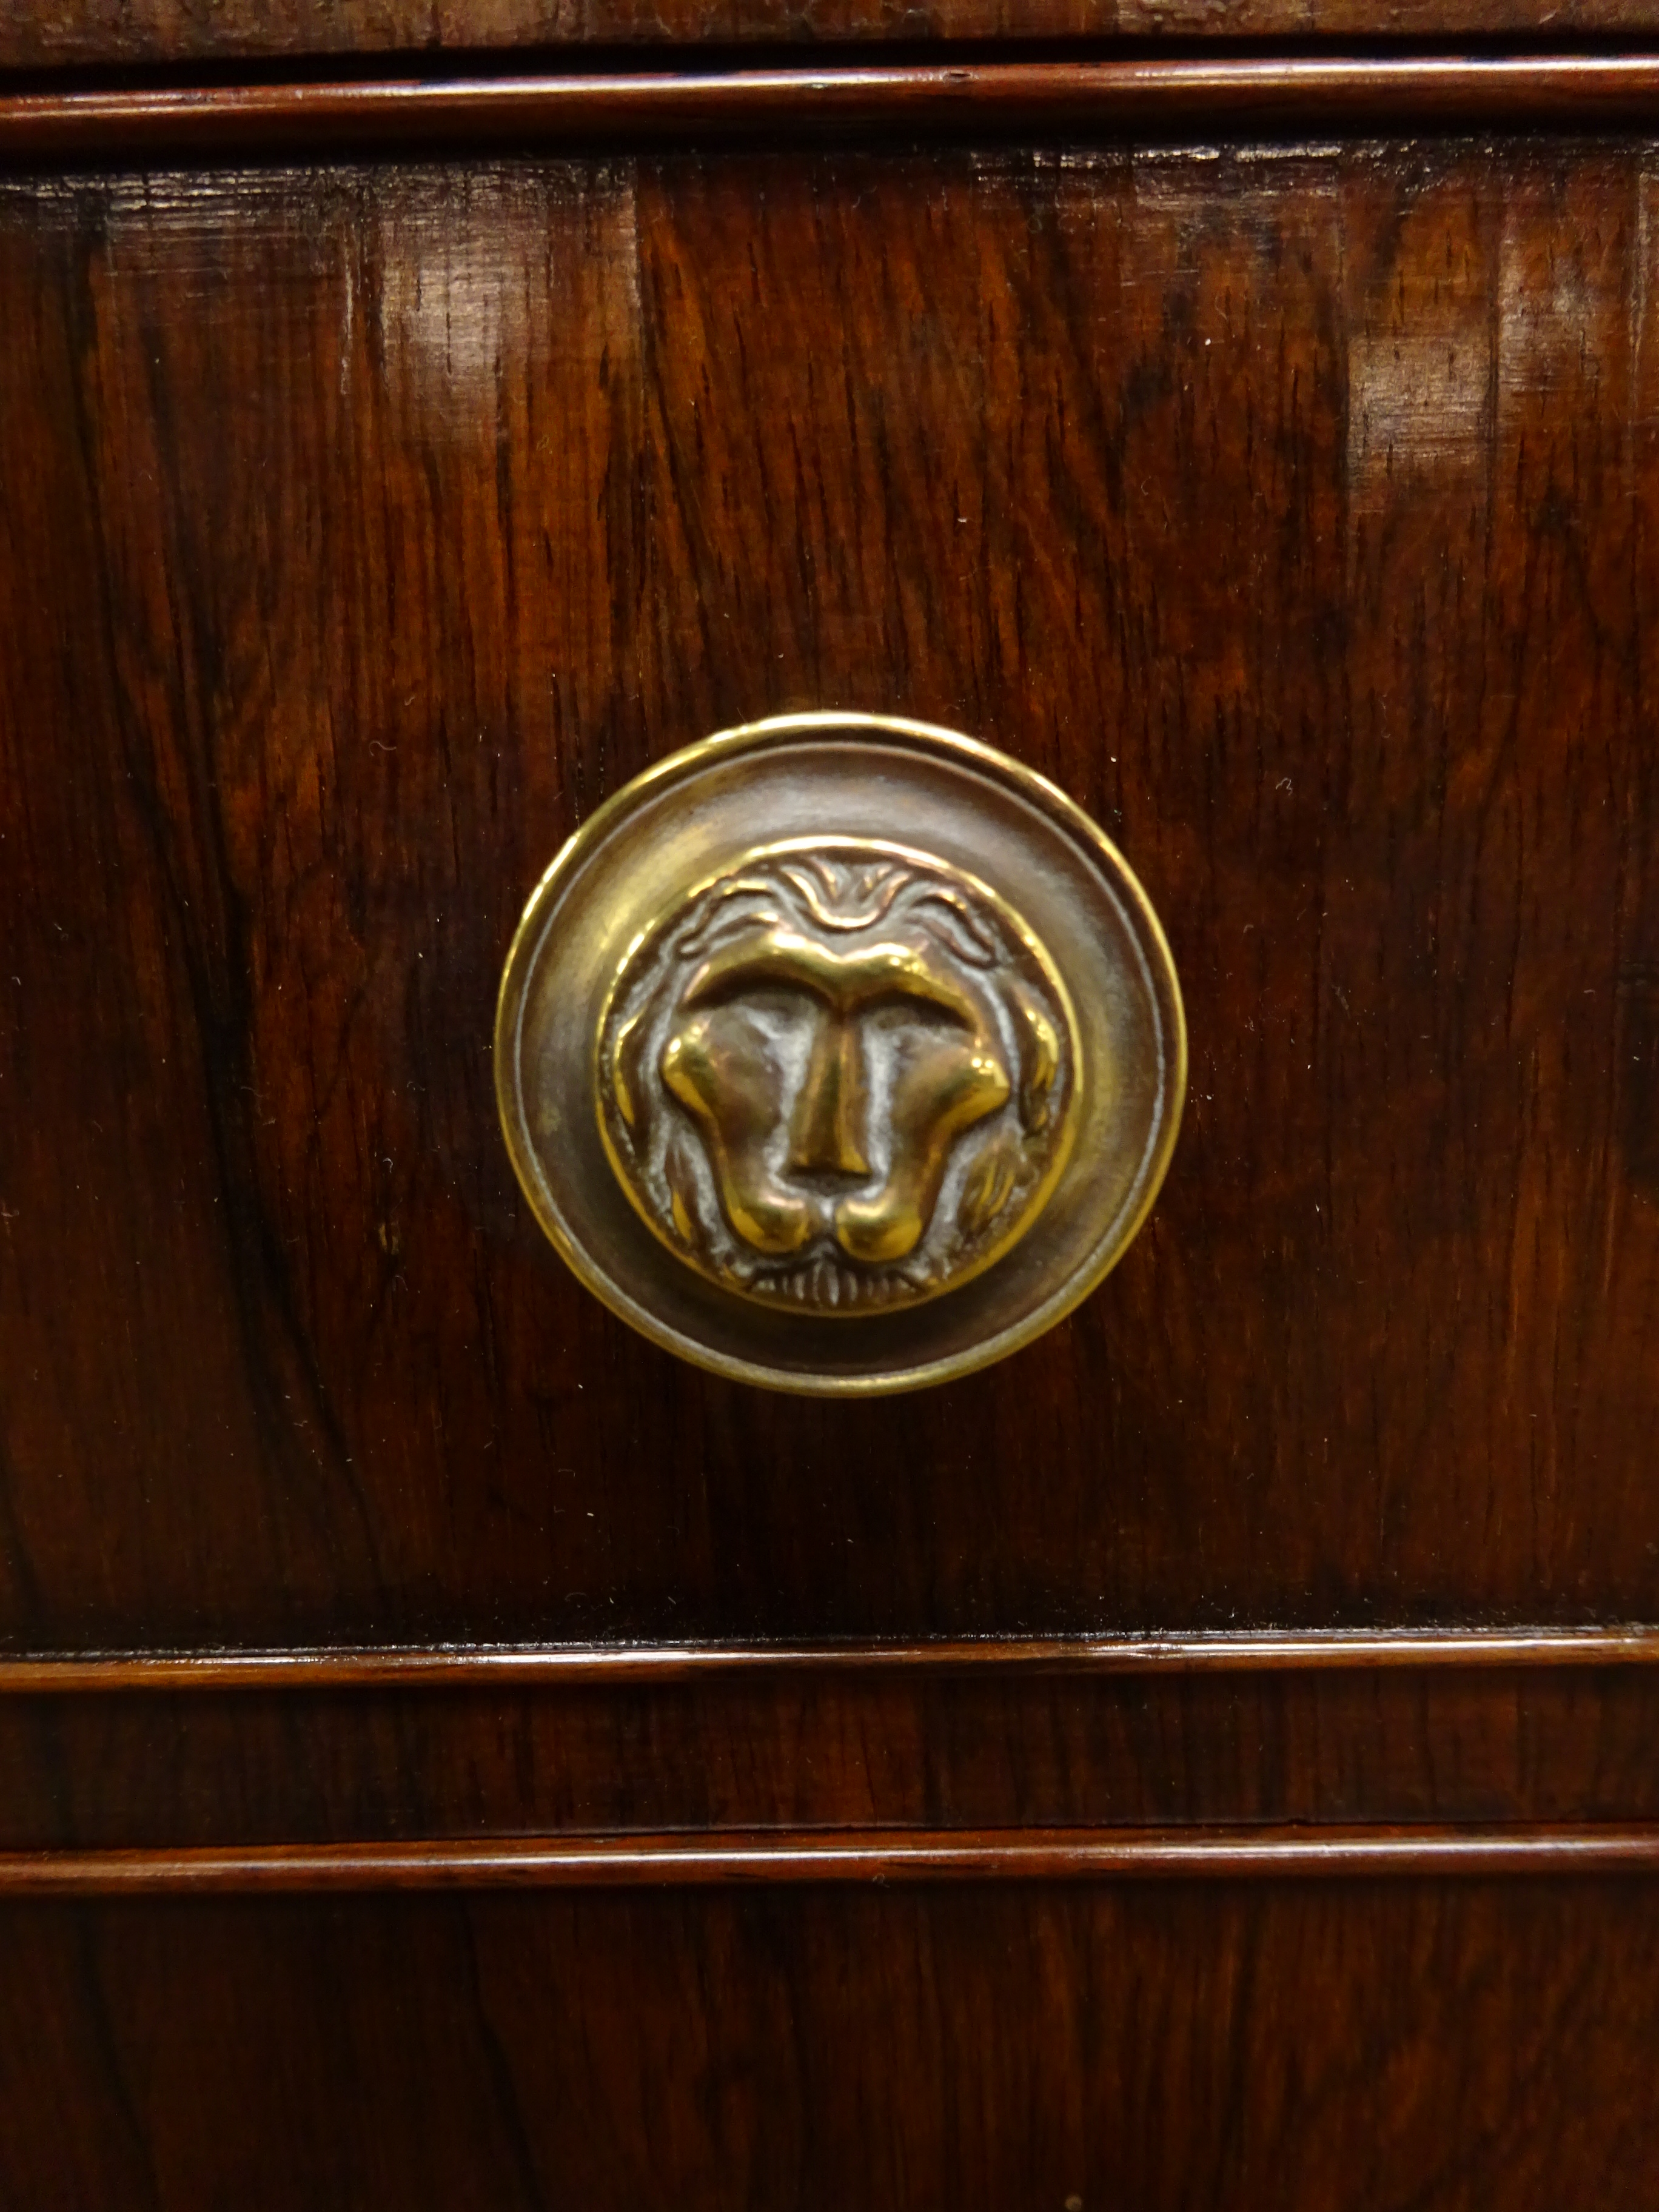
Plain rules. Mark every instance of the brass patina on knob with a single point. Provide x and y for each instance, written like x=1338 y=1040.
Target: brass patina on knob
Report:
x=837 y=1075
x=840 y=1054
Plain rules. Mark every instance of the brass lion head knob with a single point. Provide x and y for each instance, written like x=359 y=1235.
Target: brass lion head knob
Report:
x=839 y=1074
x=840 y=1054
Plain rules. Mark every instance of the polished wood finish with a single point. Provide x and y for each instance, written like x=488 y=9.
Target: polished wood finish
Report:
x=1144 y=99
x=714 y=1859
x=1206 y=1762
x=1240 y=1651
x=1454 y=2045
x=364 y=527
x=46 y=34
x=829 y=1749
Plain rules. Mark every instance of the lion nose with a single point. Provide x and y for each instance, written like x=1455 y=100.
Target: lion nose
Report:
x=823 y=1130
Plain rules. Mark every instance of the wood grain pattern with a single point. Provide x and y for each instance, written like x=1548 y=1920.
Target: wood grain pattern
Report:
x=363 y=528
x=1478 y=2044
x=46 y=34
x=719 y=1859
x=360 y=529
x=826 y=1751
x=1143 y=100
x=469 y=1666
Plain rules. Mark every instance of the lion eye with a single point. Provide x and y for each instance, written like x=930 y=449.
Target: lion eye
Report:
x=773 y=1005
x=918 y=1017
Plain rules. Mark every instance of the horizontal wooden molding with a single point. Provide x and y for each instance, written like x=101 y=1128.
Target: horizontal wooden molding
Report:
x=452 y=1666
x=1152 y=97
x=569 y=1863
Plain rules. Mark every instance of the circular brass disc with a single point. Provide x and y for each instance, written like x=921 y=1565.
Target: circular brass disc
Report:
x=840 y=1054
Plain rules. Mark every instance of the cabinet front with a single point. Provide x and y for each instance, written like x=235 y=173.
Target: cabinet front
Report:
x=367 y=523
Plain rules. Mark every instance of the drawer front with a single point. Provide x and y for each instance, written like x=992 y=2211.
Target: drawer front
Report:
x=1486 y=2046
x=366 y=526
x=1248 y=1645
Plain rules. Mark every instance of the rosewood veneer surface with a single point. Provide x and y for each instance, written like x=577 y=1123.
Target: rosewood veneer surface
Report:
x=1205 y=1761
x=101 y=33
x=366 y=526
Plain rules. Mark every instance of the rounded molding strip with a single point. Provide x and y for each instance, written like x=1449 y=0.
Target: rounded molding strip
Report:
x=840 y=1054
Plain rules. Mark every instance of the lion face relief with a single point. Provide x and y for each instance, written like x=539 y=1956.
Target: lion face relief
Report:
x=837 y=1076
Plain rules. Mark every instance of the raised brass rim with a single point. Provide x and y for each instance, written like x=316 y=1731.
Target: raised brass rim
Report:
x=774 y=731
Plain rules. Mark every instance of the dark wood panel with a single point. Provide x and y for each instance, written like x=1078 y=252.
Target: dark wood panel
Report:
x=361 y=530
x=44 y=33
x=893 y=1750
x=1446 y=2047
